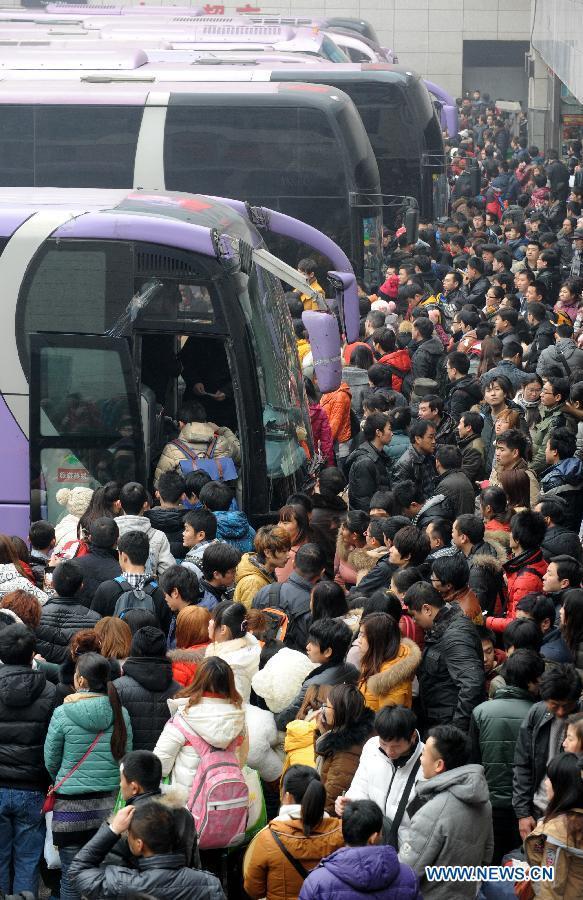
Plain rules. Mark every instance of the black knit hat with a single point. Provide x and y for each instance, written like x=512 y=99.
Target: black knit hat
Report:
x=148 y=641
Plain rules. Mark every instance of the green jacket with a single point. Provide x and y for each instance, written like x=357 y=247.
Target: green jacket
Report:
x=550 y=418
x=73 y=728
x=493 y=732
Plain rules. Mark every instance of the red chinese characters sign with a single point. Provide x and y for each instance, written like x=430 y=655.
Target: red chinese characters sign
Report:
x=219 y=10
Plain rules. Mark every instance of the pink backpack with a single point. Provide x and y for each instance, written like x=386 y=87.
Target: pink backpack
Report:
x=219 y=797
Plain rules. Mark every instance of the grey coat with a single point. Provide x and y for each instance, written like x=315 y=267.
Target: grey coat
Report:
x=550 y=357
x=450 y=821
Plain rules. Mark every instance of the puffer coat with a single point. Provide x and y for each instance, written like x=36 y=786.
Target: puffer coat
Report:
x=60 y=619
x=392 y=686
x=26 y=704
x=338 y=754
x=73 y=728
x=144 y=688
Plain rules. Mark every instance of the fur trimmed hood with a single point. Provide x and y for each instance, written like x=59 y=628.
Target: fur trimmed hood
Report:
x=190 y=655
x=402 y=670
x=491 y=563
x=341 y=739
x=355 y=557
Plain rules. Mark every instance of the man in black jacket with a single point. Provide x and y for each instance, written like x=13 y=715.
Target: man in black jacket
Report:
x=426 y=350
x=169 y=516
x=464 y=389
x=101 y=563
x=453 y=482
x=543 y=335
x=26 y=706
x=475 y=283
x=431 y=409
x=540 y=739
x=63 y=615
x=558 y=538
x=146 y=685
x=451 y=675
x=417 y=464
x=486 y=575
x=368 y=466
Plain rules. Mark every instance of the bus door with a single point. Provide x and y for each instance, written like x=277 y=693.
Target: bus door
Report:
x=85 y=417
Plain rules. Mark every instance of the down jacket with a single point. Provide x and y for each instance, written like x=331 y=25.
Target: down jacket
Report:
x=215 y=720
x=185 y=662
x=250 y=577
x=162 y=875
x=524 y=575
x=26 y=705
x=392 y=686
x=242 y=654
x=378 y=778
x=426 y=357
x=268 y=873
x=61 y=618
x=198 y=435
x=453 y=821
x=338 y=754
x=144 y=688
x=368 y=472
x=354 y=872
x=73 y=728
x=336 y=404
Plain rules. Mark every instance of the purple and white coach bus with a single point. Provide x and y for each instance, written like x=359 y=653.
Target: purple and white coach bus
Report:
x=102 y=290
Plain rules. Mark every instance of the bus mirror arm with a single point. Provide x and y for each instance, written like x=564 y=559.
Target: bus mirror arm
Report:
x=288 y=274
x=344 y=286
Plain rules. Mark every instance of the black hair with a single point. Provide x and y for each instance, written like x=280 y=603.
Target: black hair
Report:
x=407 y=492
x=471 y=526
x=434 y=402
x=419 y=428
x=305 y=786
x=537 y=310
x=149 y=642
x=486 y=634
x=474 y=421
x=385 y=339
x=424 y=327
x=382 y=601
x=523 y=667
x=562 y=682
x=171 y=486
x=495 y=498
x=373 y=423
x=219 y=557
x=405 y=578
x=216 y=496
x=17 y=645
x=382 y=500
x=191 y=411
x=538 y=607
x=135 y=545
x=514 y=440
x=331 y=481
x=510 y=349
x=362 y=357
x=195 y=482
x=357 y=521
x=452 y=570
x=104 y=533
x=400 y=418
x=334 y=634
x=449 y=457
x=559 y=386
x=328 y=601
x=412 y=543
x=476 y=263
x=451 y=744
x=94 y=668
x=132 y=498
x=469 y=317
x=567 y=567
x=202 y=520
x=420 y=594
x=528 y=529
x=565 y=777
x=561 y=441
x=443 y=529
x=67 y=578
x=232 y=615
x=41 y=534
x=380 y=375
x=522 y=634
x=310 y=560
x=460 y=361
x=156 y=825
x=139 y=618
x=395 y=723
x=143 y=767
x=184 y=580
x=360 y=820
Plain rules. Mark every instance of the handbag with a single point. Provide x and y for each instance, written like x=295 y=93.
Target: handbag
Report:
x=51 y=797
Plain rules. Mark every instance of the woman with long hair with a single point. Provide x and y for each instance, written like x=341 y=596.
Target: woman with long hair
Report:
x=231 y=638
x=116 y=638
x=388 y=662
x=302 y=830
x=212 y=708
x=571 y=617
x=490 y=355
x=516 y=485
x=12 y=576
x=351 y=556
x=105 y=503
x=272 y=546
x=192 y=639
x=328 y=601
x=496 y=515
x=293 y=519
x=558 y=837
x=345 y=724
x=92 y=726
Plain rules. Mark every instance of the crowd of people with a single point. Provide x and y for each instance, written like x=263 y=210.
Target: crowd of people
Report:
x=387 y=678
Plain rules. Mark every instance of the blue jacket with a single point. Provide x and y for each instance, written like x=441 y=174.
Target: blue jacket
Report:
x=352 y=873
x=554 y=647
x=234 y=528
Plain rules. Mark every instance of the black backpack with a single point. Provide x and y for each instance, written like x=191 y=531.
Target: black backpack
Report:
x=134 y=598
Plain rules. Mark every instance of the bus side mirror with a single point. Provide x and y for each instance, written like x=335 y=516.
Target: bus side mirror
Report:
x=475 y=177
x=411 y=222
x=346 y=293
x=324 y=337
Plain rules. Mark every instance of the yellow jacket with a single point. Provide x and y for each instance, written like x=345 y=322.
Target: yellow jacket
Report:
x=307 y=300
x=303 y=348
x=249 y=578
x=299 y=749
x=392 y=686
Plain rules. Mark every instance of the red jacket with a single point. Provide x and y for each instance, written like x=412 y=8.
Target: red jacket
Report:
x=336 y=405
x=400 y=360
x=524 y=575
x=321 y=432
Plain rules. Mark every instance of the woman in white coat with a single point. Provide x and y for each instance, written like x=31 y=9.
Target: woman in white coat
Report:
x=232 y=641
x=211 y=708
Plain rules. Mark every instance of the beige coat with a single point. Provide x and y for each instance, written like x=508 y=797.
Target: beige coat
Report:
x=198 y=436
x=534 y=485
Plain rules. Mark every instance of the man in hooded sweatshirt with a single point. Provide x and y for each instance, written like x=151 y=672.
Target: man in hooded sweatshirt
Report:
x=134 y=502
x=362 y=868
x=450 y=817
x=232 y=525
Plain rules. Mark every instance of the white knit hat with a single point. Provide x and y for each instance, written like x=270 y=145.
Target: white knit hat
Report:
x=281 y=678
x=76 y=499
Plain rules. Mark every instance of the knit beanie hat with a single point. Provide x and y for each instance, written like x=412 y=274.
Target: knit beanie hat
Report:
x=76 y=499
x=148 y=641
x=280 y=680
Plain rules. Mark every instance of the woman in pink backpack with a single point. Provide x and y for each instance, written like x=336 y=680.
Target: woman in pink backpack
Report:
x=211 y=709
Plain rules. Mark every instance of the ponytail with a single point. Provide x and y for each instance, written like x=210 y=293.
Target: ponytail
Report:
x=119 y=735
x=303 y=783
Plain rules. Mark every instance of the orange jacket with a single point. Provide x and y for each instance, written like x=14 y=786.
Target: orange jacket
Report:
x=337 y=405
x=400 y=360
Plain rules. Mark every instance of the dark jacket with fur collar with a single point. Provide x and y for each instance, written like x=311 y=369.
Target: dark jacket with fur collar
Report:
x=338 y=754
